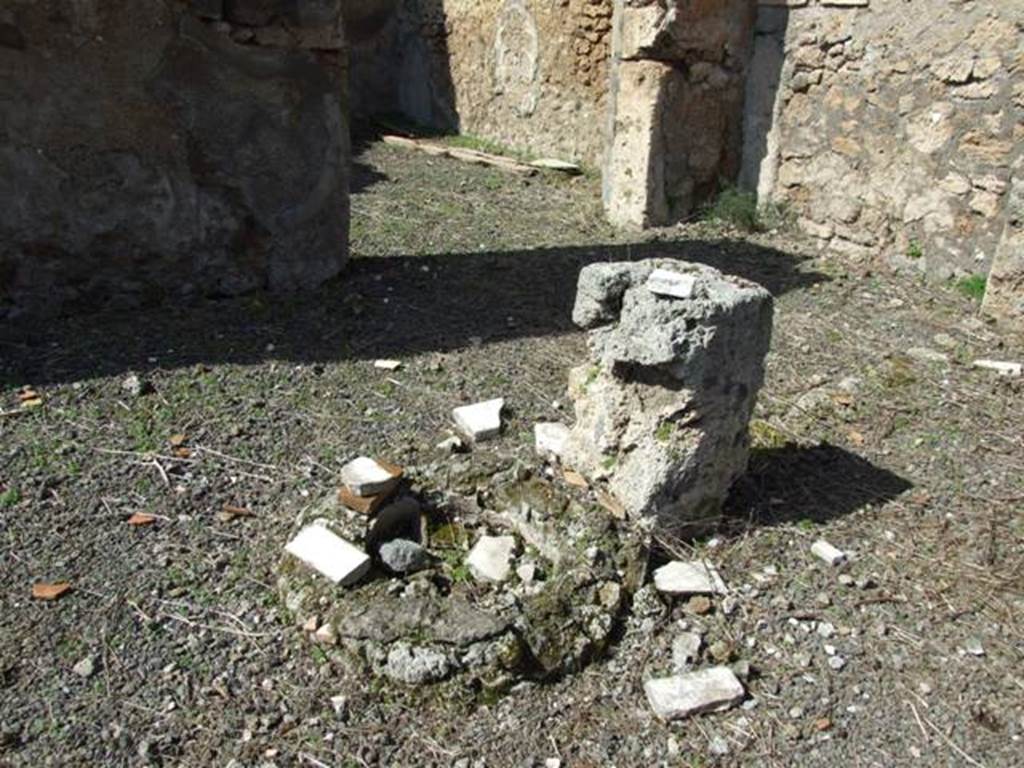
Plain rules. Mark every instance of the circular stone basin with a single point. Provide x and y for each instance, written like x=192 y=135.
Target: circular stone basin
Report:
x=574 y=569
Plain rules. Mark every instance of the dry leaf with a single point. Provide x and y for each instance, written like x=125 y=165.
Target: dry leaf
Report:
x=575 y=478
x=27 y=393
x=177 y=440
x=230 y=513
x=842 y=398
x=182 y=453
x=823 y=724
x=141 y=518
x=44 y=591
x=612 y=504
x=33 y=402
x=856 y=437
x=921 y=498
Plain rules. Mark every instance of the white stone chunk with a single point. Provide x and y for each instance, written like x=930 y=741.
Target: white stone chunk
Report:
x=679 y=696
x=480 y=421
x=550 y=438
x=697 y=577
x=491 y=558
x=366 y=477
x=825 y=552
x=685 y=651
x=664 y=282
x=387 y=365
x=554 y=164
x=329 y=554
x=1001 y=367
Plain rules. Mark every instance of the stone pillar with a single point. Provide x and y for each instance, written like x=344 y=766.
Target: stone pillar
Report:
x=663 y=406
x=152 y=149
x=677 y=90
x=1004 y=296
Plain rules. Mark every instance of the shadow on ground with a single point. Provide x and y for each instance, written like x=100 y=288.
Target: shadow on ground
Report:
x=816 y=484
x=380 y=307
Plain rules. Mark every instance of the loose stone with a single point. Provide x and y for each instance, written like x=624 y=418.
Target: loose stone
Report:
x=85 y=668
x=550 y=437
x=664 y=282
x=1001 y=367
x=679 y=696
x=368 y=477
x=404 y=556
x=685 y=651
x=329 y=554
x=827 y=553
x=698 y=577
x=480 y=421
x=491 y=558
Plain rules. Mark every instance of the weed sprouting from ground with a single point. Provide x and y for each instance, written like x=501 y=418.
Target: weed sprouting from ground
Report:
x=914 y=250
x=739 y=208
x=972 y=287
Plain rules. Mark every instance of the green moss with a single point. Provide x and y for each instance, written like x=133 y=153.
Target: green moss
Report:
x=664 y=432
x=9 y=498
x=973 y=287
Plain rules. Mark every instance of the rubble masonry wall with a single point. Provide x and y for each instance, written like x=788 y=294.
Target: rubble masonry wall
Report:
x=156 y=149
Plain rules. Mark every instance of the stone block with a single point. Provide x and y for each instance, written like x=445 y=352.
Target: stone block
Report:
x=663 y=405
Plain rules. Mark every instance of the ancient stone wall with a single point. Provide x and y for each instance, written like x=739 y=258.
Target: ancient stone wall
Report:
x=531 y=74
x=889 y=127
x=154 y=148
x=677 y=89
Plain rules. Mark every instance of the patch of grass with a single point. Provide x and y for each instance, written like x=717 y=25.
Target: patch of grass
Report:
x=973 y=287
x=914 y=250
x=664 y=432
x=739 y=208
x=9 y=497
x=763 y=436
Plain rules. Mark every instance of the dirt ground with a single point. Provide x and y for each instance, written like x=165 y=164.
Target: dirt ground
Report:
x=911 y=654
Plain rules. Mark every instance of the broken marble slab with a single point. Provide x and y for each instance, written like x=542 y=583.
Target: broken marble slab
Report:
x=664 y=282
x=329 y=554
x=825 y=552
x=480 y=421
x=1002 y=367
x=368 y=477
x=696 y=577
x=550 y=437
x=491 y=558
x=679 y=696
x=685 y=651
x=554 y=164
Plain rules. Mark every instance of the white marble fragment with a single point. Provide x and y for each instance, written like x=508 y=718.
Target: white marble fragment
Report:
x=679 y=696
x=664 y=282
x=696 y=577
x=550 y=437
x=480 y=421
x=329 y=554
x=1003 y=368
x=825 y=552
x=491 y=558
x=367 y=477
